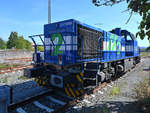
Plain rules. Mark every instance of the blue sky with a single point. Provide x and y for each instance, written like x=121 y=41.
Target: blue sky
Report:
x=27 y=17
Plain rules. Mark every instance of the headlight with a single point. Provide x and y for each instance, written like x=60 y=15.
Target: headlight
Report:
x=56 y=81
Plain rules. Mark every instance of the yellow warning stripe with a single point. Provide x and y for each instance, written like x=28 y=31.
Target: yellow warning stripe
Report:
x=71 y=91
x=77 y=92
x=36 y=79
x=78 y=77
x=81 y=91
x=67 y=92
x=81 y=74
x=44 y=83
x=40 y=82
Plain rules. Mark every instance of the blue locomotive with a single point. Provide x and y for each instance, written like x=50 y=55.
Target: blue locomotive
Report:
x=76 y=55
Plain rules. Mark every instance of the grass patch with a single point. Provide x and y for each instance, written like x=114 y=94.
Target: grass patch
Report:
x=104 y=109
x=115 y=91
x=5 y=80
x=95 y=109
x=144 y=54
x=5 y=66
x=142 y=91
x=23 y=77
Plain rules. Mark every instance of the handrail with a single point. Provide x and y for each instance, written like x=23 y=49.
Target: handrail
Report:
x=36 y=35
x=42 y=40
x=35 y=45
x=64 y=44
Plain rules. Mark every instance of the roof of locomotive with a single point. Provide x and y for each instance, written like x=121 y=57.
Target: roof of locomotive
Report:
x=70 y=21
x=78 y=22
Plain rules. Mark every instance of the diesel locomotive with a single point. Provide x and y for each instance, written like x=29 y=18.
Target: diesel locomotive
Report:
x=77 y=56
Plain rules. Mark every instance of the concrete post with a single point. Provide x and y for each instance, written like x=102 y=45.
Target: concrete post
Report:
x=4 y=98
x=49 y=11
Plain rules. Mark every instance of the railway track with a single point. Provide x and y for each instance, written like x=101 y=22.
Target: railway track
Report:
x=55 y=102
x=52 y=101
x=26 y=59
x=14 y=69
x=45 y=102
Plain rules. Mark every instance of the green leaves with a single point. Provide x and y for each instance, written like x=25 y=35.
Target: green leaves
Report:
x=21 y=44
x=106 y=2
x=2 y=44
x=148 y=34
x=28 y=45
x=18 y=42
x=12 y=40
x=142 y=7
x=40 y=48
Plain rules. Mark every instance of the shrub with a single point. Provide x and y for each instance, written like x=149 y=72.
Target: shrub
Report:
x=142 y=91
x=115 y=91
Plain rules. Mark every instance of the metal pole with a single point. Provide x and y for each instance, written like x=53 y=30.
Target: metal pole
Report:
x=49 y=11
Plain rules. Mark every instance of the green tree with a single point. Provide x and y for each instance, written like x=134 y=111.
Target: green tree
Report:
x=148 y=49
x=28 y=45
x=18 y=42
x=21 y=43
x=142 y=7
x=40 y=48
x=12 y=40
x=2 y=44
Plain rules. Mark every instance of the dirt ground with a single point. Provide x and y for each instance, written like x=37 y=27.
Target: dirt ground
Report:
x=117 y=97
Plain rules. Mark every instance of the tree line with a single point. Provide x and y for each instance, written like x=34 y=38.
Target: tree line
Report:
x=141 y=7
x=15 y=42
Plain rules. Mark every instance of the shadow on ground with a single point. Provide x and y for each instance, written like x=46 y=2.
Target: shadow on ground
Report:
x=112 y=107
x=24 y=90
x=147 y=69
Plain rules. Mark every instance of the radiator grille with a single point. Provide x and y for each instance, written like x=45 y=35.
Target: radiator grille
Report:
x=89 y=38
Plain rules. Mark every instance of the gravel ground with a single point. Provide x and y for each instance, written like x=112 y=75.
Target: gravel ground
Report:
x=101 y=101
x=104 y=101
x=19 y=83
x=20 y=62
x=14 y=78
x=7 y=54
